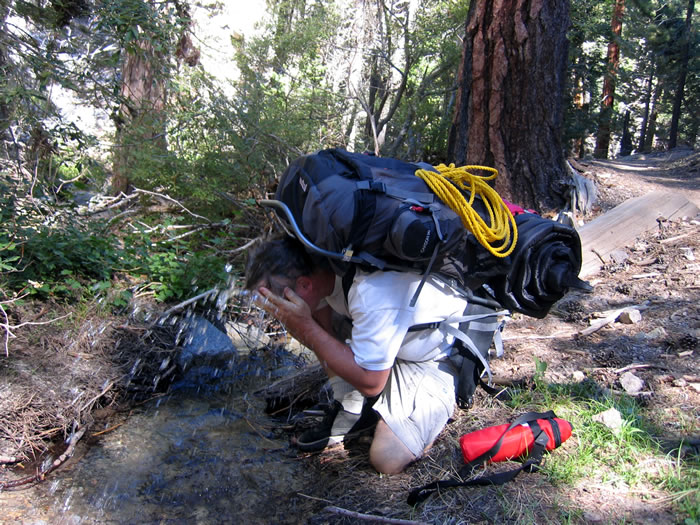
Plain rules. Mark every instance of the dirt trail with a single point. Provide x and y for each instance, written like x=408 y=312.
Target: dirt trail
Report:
x=621 y=179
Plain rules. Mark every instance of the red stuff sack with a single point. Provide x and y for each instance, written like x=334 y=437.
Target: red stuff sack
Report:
x=516 y=440
x=528 y=437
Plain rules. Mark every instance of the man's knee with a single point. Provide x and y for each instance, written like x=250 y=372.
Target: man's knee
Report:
x=385 y=464
x=388 y=454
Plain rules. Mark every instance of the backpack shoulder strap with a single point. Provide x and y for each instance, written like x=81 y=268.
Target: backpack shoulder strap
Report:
x=347 y=280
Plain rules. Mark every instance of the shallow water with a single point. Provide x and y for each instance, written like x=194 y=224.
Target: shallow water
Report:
x=190 y=457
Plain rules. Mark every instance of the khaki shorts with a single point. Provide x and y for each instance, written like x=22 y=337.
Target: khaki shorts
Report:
x=417 y=401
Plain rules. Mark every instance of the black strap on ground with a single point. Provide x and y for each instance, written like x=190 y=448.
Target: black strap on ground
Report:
x=419 y=494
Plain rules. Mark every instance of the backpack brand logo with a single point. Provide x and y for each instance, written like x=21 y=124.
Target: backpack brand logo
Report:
x=303 y=185
x=425 y=242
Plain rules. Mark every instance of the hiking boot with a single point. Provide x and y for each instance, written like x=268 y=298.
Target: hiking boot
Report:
x=337 y=426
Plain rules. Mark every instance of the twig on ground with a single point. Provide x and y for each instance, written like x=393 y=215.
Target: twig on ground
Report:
x=168 y=198
x=610 y=317
x=98 y=396
x=558 y=335
x=599 y=256
x=257 y=431
x=42 y=472
x=371 y=517
x=110 y=429
x=313 y=497
x=637 y=366
x=5 y=324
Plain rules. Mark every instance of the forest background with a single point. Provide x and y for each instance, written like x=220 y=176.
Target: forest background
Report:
x=369 y=75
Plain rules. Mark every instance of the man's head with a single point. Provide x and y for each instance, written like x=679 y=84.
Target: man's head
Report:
x=283 y=262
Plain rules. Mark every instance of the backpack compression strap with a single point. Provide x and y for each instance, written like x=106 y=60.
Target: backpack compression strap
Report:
x=419 y=494
x=465 y=339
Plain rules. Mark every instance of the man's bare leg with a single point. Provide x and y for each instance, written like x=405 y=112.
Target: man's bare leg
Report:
x=388 y=454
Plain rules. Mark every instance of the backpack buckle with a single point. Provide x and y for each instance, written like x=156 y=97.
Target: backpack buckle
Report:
x=377 y=187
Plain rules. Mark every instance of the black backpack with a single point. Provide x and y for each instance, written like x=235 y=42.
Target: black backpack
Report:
x=374 y=212
x=359 y=209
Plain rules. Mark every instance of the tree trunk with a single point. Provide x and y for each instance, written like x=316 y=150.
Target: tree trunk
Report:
x=140 y=124
x=384 y=74
x=579 y=100
x=603 y=138
x=647 y=108
x=626 y=141
x=509 y=107
x=5 y=111
x=682 y=75
x=651 y=128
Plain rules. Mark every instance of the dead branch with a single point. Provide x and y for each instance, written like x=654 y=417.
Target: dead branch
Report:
x=610 y=317
x=170 y=199
x=194 y=299
x=107 y=203
x=371 y=517
x=210 y=226
x=121 y=215
x=677 y=237
x=42 y=472
x=241 y=248
x=638 y=366
x=9 y=328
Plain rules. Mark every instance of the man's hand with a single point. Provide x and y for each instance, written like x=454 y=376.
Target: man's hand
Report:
x=335 y=356
x=291 y=310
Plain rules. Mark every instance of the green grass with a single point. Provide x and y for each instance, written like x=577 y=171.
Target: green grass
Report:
x=630 y=457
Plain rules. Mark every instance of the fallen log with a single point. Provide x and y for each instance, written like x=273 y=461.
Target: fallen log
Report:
x=620 y=226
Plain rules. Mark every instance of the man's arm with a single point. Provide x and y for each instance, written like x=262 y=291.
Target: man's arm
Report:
x=334 y=355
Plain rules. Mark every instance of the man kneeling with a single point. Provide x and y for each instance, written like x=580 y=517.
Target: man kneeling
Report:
x=408 y=371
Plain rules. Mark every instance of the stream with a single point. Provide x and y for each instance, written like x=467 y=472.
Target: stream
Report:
x=196 y=455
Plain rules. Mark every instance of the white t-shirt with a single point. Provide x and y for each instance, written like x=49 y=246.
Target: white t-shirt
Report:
x=378 y=304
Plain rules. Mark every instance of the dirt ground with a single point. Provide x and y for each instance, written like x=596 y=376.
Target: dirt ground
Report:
x=659 y=273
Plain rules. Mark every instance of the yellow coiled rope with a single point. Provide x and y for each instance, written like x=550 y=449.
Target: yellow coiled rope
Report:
x=502 y=224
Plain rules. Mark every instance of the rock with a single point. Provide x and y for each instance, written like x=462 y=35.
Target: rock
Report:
x=611 y=418
x=632 y=316
x=206 y=345
x=245 y=336
x=632 y=384
x=688 y=253
x=618 y=256
x=641 y=337
x=657 y=333
x=680 y=382
x=82 y=198
x=578 y=376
